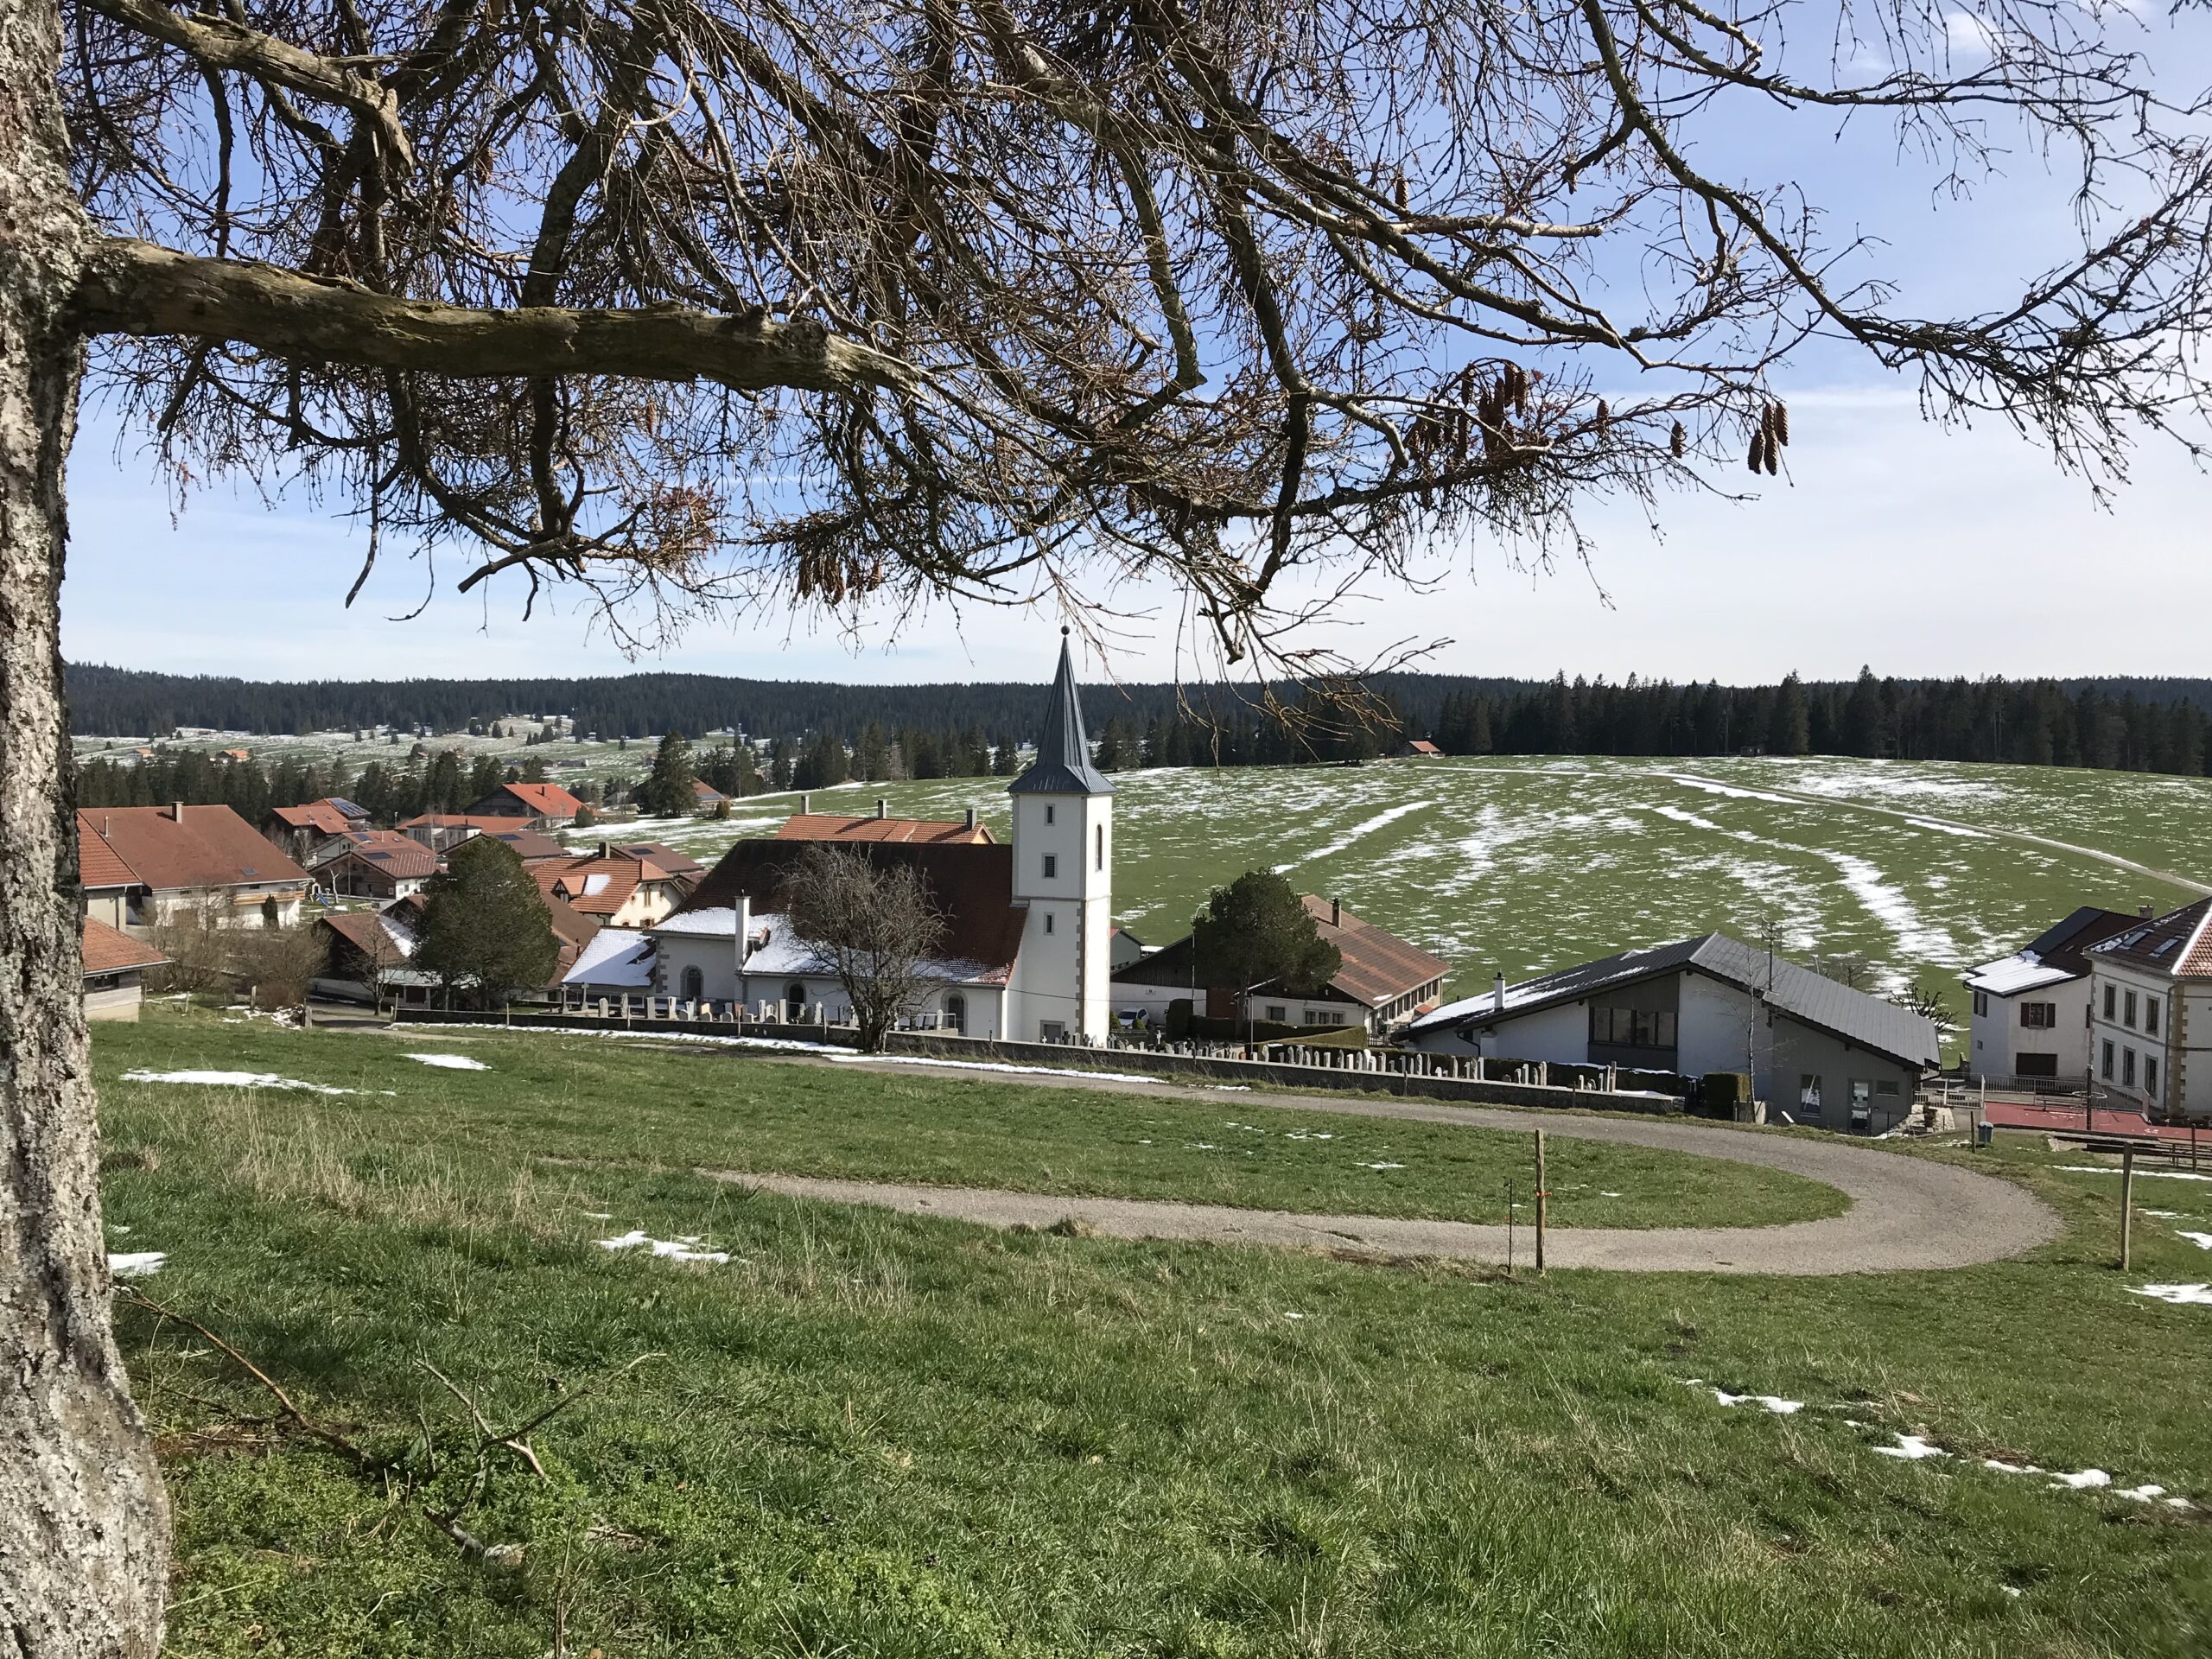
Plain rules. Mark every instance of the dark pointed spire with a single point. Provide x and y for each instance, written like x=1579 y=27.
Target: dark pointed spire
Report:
x=1063 y=763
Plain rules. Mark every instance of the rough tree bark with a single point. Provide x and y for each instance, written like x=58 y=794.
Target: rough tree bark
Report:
x=83 y=1524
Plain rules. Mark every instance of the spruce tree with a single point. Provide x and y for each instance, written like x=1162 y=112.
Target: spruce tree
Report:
x=486 y=932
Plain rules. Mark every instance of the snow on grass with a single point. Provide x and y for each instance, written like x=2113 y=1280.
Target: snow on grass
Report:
x=1958 y=830
x=1911 y=1448
x=2202 y=1241
x=1773 y=1402
x=674 y=1249
x=2083 y=1480
x=1358 y=832
x=1680 y=816
x=1382 y=1166
x=2180 y=1296
x=242 y=1080
x=2140 y=1174
x=451 y=1062
x=136 y=1264
x=1713 y=786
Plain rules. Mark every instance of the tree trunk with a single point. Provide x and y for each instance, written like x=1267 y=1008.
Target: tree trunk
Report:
x=83 y=1526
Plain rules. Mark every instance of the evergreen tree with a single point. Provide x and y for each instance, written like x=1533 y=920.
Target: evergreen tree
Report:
x=667 y=791
x=1789 y=726
x=1257 y=931
x=487 y=932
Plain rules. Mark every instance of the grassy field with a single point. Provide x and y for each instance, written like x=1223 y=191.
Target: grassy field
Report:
x=1520 y=866
x=873 y=1434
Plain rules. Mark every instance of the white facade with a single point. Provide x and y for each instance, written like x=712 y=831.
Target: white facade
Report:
x=2040 y=1032
x=1063 y=876
x=2141 y=1024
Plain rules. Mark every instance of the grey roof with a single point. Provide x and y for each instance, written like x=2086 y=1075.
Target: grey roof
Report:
x=1063 y=763
x=1870 y=1021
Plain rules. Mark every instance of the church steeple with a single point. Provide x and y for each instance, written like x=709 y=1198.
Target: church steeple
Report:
x=1063 y=763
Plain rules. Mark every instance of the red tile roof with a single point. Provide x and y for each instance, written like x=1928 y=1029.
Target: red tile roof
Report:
x=543 y=800
x=211 y=846
x=1379 y=967
x=2178 y=943
x=99 y=864
x=322 y=815
x=397 y=855
x=667 y=857
x=108 y=952
x=829 y=826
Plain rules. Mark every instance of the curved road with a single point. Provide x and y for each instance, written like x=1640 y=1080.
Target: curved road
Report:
x=1905 y=1212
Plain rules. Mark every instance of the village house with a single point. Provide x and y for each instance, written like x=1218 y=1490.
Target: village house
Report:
x=115 y=967
x=707 y=800
x=539 y=806
x=375 y=864
x=204 y=858
x=2031 y=1019
x=369 y=953
x=618 y=889
x=299 y=832
x=1382 y=979
x=1817 y=1051
x=443 y=831
x=107 y=890
x=1420 y=748
x=1028 y=923
x=2150 y=996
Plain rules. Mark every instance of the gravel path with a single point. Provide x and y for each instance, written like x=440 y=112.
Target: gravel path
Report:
x=1906 y=1213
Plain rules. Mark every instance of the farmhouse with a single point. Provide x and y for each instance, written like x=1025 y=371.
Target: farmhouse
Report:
x=1420 y=748
x=1380 y=980
x=1817 y=1051
x=369 y=953
x=539 y=806
x=2030 y=1020
x=2151 y=1013
x=115 y=971
x=106 y=889
x=1028 y=923
x=196 y=858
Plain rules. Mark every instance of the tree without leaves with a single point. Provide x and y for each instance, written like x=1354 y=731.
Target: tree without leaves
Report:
x=679 y=299
x=1257 y=931
x=871 y=924
x=486 y=932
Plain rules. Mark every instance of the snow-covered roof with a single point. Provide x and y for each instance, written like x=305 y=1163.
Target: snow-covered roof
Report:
x=777 y=948
x=2022 y=971
x=614 y=955
x=718 y=921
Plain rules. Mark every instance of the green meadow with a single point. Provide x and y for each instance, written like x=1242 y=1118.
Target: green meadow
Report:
x=865 y=1434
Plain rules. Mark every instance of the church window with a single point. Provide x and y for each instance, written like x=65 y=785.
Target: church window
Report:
x=1051 y=866
x=1101 y=833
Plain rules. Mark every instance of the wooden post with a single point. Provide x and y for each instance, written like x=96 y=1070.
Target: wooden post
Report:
x=1542 y=1197
x=2126 y=1201
x=1508 y=1226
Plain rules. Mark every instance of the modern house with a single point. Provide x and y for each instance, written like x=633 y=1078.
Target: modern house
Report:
x=2150 y=1002
x=539 y=806
x=115 y=971
x=2030 y=1020
x=1028 y=923
x=1382 y=979
x=298 y=831
x=1818 y=1051
x=203 y=859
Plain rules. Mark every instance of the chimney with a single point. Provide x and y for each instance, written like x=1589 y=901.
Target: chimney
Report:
x=606 y=850
x=176 y=811
x=971 y=817
x=2147 y=911
x=802 y=808
x=881 y=810
x=1336 y=913
x=1497 y=994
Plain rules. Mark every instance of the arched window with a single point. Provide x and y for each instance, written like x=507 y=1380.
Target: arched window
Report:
x=695 y=985
x=956 y=1013
x=794 y=1002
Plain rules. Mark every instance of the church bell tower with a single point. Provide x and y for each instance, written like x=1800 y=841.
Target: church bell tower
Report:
x=1064 y=871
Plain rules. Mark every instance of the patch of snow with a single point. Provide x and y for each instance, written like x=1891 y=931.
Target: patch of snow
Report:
x=136 y=1264
x=1959 y=829
x=242 y=1080
x=1359 y=831
x=1609 y=1195
x=2202 y=1241
x=1773 y=1404
x=676 y=1249
x=2014 y=1468
x=2140 y=1494
x=1711 y=787
x=2012 y=1590
x=2082 y=1479
x=1294 y=1316
x=1911 y=1448
x=2161 y=1215
x=2178 y=1295
x=451 y=1062
x=1382 y=1166
x=1680 y=816
x=2140 y=1174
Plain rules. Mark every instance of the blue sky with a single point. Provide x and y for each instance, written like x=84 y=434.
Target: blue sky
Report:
x=1888 y=541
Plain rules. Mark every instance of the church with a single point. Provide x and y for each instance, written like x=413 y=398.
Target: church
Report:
x=1028 y=923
